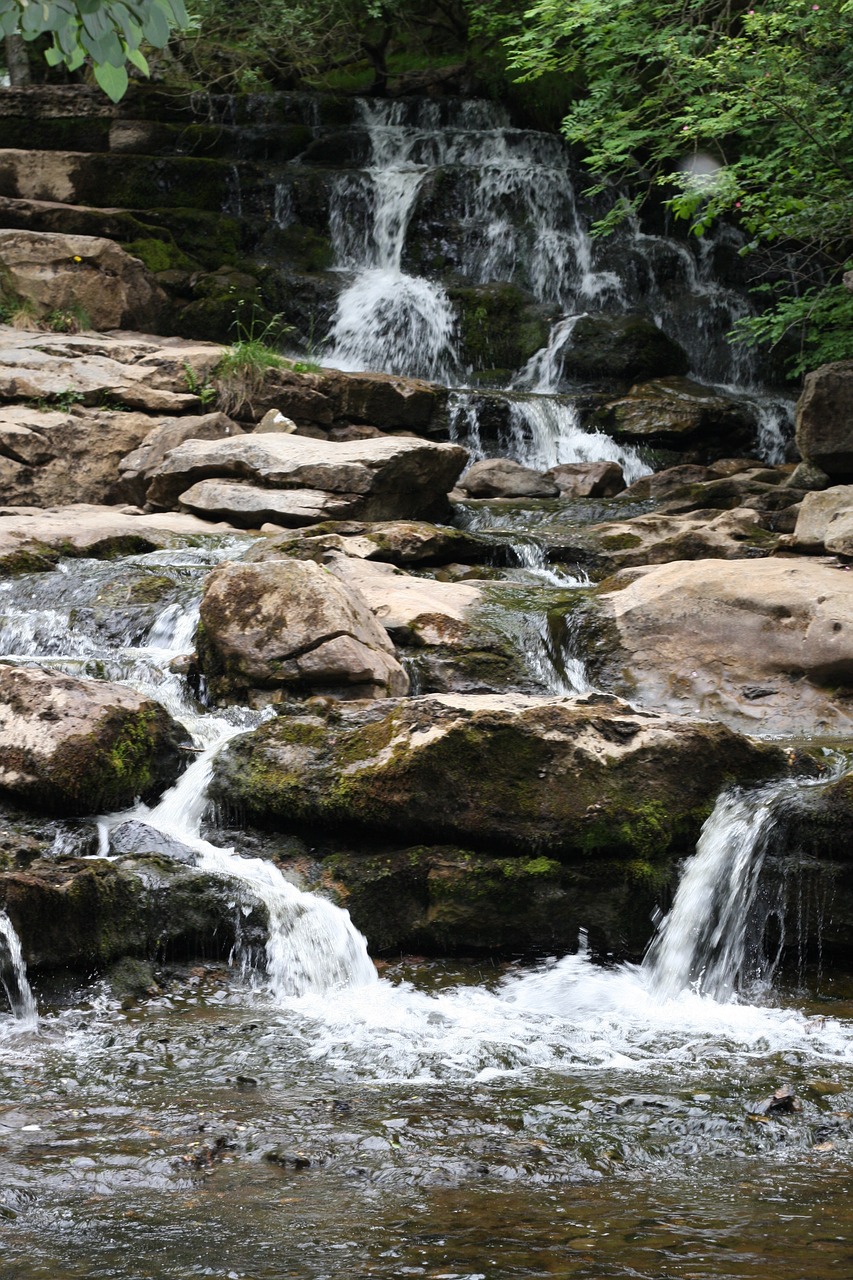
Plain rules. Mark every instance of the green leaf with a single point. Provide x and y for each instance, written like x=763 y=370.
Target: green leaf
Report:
x=155 y=27
x=137 y=57
x=113 y=80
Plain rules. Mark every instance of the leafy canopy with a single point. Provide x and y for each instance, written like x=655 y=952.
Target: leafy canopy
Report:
x=110 y=32
x=730 y=110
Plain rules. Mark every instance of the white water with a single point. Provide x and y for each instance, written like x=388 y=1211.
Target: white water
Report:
x=13 y=976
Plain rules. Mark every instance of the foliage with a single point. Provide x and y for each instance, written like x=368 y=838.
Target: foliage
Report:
x=730 y=110
x=240 y=375
x=109 y=32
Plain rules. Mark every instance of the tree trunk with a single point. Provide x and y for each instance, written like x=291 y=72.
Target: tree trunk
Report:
x=17 y=61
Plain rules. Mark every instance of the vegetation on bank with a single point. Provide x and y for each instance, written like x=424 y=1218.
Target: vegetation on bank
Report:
x=711 y=108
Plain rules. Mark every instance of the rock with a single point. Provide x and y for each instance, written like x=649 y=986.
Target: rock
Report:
x=755 y=644
x=290 y=625
x=826 y=518
x=621 y=347
x=497 y=773
x=138 y=838
x=678 y=480
x=678 y=411
x=397 y=542
x=249 y=507
x=824 y=420
x=89 y=277
x=587 y=479
x=81 y=746
x=693 y=535
x=370 y=479
x=782 y=1101
x=503 y=478
x=32 y=540
x=276 y=422
x=807 y=476
x=136 y=468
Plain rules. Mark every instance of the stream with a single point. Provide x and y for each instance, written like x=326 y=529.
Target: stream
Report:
x=299 y=1114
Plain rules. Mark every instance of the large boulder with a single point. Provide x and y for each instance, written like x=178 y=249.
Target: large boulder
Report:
x=382 y=479
x=499 y=773
x=288 y=625
x=757 y=644
x=825 y=521
x=825 y=419
x=682 y=413
x=692 y=535
x=587 y=479
x=90 y=279
x=503 y=478
x=137 y=467
x=74 y=746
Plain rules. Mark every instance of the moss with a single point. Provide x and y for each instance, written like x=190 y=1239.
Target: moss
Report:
x=159 y=255
x=620 y=541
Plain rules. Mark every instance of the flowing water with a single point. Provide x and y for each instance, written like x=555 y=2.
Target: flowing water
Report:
x=498 y=204
x=302 y=1115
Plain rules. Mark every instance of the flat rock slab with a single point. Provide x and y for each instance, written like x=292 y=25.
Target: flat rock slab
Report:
x=493 y=772
x=250 y=507
x=74 y=746
x=397 y=542
x=765 y=645
x=33 y=540
x=693 y=535
x=373 y=479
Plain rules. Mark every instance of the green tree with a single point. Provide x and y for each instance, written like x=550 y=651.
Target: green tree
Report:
x=111 y=33
x=725 y=110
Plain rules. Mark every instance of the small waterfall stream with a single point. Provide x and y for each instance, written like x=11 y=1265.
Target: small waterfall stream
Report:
x=13 y=975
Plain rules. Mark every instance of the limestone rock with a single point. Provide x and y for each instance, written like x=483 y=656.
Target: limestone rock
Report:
x=503 y=478
x=92 y=276
x=276 y=422
x=824 y=428
x=290 y=625
x=249 y=506
x=372 y=479
x=693 y=535
x=587 y=479
x=136 y=468
x=540 y=776
x=81 y=746
x=397 y=542
x=756 y=644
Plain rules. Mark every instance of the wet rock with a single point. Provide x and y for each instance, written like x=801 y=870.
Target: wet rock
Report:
x=494 y=772
x=697 y=637
x=82 y=746
x=825 y=521
x=588 y=479
x=621 y=347
x=373 y=479
x=136 y=468
x=782 y=1101
x=503 y=478
x=397 y=542
x=138 y=838
x=32 y=540
x=679 y=411
x=824 y=413
x=289 y=625
x=679 y=480
x=88 y=277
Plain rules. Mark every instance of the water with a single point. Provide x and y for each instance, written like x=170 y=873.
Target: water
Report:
x=13 y=975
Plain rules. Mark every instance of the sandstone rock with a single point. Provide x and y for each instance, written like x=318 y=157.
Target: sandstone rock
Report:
x=289 y=625
x=33 y=540
x=136 y=468
x=824 y=429
x=621 y=347
x=373 y=479
x=503 y=478
x=91 y=276
x=677 y=410
x=499 y=773
x=397 y=542
x=825 y=517
x=249 y=507
x=81 y=746
x=693 y=535
x=760 y=644
x=587 y=479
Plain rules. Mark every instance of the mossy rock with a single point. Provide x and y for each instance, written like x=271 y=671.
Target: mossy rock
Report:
x=536 y=776
x=500 y=326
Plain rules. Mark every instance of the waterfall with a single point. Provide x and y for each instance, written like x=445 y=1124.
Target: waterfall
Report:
x=13 y=974
x=711 y=941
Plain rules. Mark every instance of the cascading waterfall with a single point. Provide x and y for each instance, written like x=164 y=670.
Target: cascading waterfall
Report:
x=13 y=975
